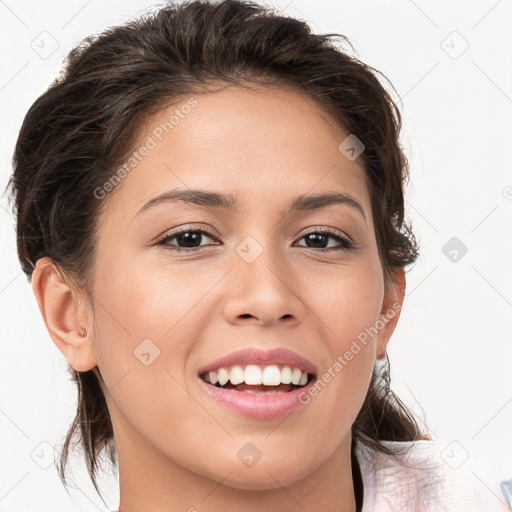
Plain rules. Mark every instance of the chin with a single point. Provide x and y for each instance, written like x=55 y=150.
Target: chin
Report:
x=260 y=477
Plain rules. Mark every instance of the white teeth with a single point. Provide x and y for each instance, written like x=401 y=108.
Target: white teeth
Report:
x=286 y=375
x=296 y=375
x=236 y=375
x=223 y=376
x=256 y=375
x=252 y=375
x=271 y=376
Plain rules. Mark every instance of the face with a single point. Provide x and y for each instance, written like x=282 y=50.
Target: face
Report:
x=257 y=275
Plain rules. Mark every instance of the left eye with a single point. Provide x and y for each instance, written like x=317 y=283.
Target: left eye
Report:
x=190 y=238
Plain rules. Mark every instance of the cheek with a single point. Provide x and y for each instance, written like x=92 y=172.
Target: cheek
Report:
x=149 y=301
x=143 y=344
x=129 y=319
x=347 y=302
x=148 y=321
x=348 y=308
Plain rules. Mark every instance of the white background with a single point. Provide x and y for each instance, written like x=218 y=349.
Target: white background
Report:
x=451 y=353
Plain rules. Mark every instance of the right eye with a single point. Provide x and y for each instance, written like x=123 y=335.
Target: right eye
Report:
x=189 y=237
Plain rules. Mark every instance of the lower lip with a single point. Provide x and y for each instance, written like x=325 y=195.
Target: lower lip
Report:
x=263 y=406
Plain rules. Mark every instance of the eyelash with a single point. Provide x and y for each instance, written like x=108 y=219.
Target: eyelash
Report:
x=346 y=243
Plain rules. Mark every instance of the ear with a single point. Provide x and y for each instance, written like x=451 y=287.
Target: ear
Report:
x=62 y=306
x=390 y=312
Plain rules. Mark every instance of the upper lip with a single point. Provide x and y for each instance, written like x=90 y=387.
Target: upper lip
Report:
x=277 y=356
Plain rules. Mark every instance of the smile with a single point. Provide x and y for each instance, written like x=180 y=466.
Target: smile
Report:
x=258 y=379
x=258 y=384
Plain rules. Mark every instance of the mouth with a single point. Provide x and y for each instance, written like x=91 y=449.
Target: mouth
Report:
x=259 y=384
x=259 y=379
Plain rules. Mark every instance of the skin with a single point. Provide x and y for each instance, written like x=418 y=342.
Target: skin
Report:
x=177 y=447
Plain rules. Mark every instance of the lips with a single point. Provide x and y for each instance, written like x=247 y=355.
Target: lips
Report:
x=278 y=392
x=278 y=356
x=258 y=406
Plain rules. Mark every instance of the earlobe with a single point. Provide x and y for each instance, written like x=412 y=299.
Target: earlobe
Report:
x=390 y=312
x=63 y=315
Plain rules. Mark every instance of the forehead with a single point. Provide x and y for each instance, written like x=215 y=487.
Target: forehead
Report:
x=259 y=145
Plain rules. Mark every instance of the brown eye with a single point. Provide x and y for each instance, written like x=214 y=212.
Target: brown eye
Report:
x=321 y=237
x=186 y=239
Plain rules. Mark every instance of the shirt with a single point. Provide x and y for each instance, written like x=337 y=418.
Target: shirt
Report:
x=436 y=478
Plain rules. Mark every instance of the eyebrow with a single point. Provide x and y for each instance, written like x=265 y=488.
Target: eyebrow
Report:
x=228 y=202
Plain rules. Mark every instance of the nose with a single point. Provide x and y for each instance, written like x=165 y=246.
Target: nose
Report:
x=263 y=291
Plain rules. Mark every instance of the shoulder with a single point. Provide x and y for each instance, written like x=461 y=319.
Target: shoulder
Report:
x=425 y=478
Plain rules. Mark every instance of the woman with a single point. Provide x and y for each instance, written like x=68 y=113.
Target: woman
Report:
x=210 y=210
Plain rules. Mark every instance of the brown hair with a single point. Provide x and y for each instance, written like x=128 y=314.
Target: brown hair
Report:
x=84 y=126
